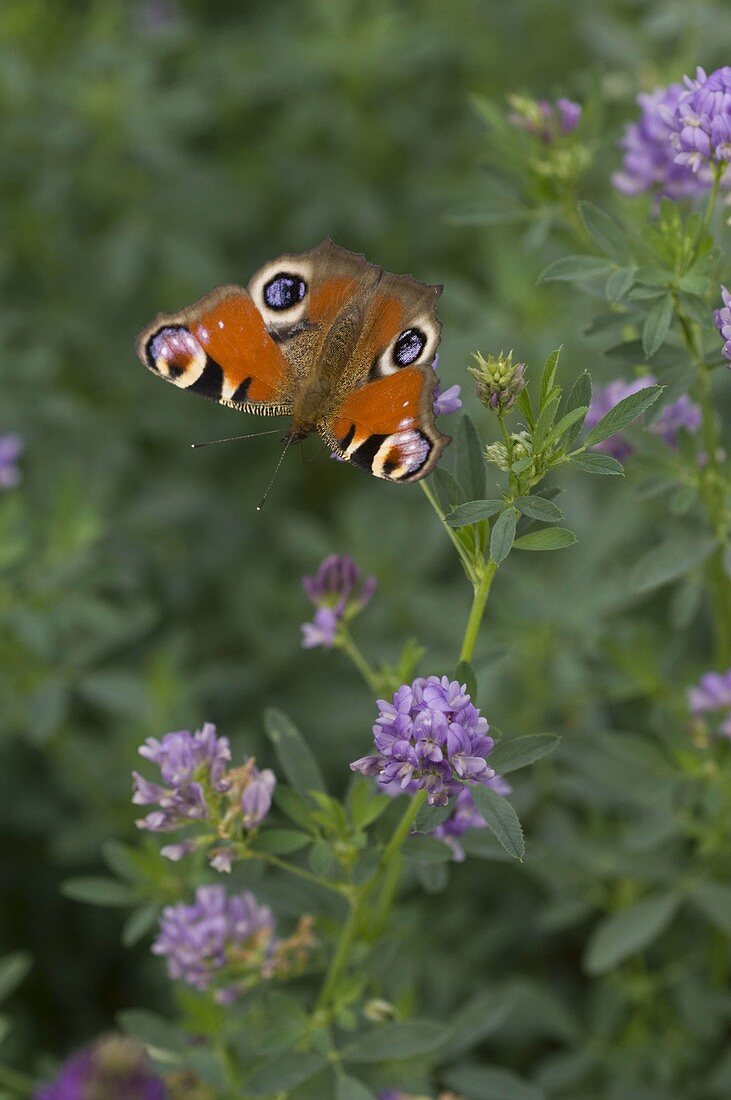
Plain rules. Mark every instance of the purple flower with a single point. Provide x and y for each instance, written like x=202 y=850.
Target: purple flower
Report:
x=701 y=123
x=190 y=764
x=649 y=158
x=545 y=120
x=112 y=1067
x=256 y=799
x=713 y=693
x=467 y=816
x=449 y=401
x=682 y=413
x=430 y=736
x=722 y=317
x=11 y=448
x=338 y=591
x=202 y=939
x=225 y=940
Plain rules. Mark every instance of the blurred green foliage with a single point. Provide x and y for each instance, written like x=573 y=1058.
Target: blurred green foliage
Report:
x=149 y=152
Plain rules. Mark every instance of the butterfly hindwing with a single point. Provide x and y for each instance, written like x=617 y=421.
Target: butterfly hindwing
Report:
x=387 y=426
x=221 y=349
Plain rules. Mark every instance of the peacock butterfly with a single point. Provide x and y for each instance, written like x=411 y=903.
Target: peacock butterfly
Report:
x=343 y=347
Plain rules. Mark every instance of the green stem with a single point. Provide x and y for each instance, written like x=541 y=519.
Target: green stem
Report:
x=464 y=556
x=479 y=600
x=349 y=931
x=340 y=958
x=292 y=869
x=347 y=644
x=713 y=492
x=18 y=1082
x=711 y=206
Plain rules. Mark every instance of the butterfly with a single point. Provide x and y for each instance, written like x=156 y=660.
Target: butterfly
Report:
x=336 y=343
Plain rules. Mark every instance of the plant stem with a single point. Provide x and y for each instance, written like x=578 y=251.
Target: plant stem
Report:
x=479 y=600
x=292 y=869
x=464 y=556
x=340 y=958
x=350 y=929
x=713 y=492
x=347 y=644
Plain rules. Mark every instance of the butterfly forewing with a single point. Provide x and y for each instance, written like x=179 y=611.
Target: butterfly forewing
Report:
x=221 y=349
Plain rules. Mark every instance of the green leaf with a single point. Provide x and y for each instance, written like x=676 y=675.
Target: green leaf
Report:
x=578 y=398
x=657 y=325
x=482 y=1015
x=576 y=269
x=283 y=1073
x=293 y=806
x=446 y=489
x=714 y=901
x=508 y=756
x=364 y=805
x=139 y=923
x=502 y=536
x=670 y=560
x=488 y=1083
x=294 y=754
x=465 y=673
x=548 y=376
x=545 y=422
x=622 y=934
x=501 y=818
x=473 y=511
x=619 y=283
x=280 y=842
x=470 y=459
x=322 y=859
x=350 y=1088
x=538 y=508
x=151 y=1030
x=550 y=538
x=607 y=233
x=571 y=420
x=13 y=970
x=596 y=463
x=396 y=1041
x=426 y=849
x=96 y=890
x=525 y=406
x=623 y=413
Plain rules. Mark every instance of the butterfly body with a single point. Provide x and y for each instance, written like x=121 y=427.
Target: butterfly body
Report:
x=327 y=338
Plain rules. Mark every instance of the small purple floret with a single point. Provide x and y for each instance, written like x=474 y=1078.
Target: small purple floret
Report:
x=201 y=940
x=429 y=737
x=722 y=317
x=713 y=693
x=339 y=591
x=701 y=124
x=649 y=158
x=187 y=761
x=11 y=448
x=112 y=1067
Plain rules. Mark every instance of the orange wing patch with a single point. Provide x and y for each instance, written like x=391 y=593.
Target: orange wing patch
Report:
x=220 y=348
x=387 y=426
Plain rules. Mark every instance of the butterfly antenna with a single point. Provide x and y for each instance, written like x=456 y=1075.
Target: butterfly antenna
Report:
x=260 y=505
x=233 y=438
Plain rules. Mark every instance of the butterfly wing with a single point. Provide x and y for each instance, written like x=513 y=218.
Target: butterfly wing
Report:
x=300 y=297
x=221 y=349
x=387 y=426
x=385 y=423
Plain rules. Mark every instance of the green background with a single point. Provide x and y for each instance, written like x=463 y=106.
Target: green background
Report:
x=148 y=153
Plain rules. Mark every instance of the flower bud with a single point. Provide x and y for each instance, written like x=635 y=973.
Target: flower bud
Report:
x=378 y=1011
x=499 y=381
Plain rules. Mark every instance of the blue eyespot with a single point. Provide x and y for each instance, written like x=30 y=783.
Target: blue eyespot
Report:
x=284 y=291
x=408 y=347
